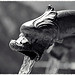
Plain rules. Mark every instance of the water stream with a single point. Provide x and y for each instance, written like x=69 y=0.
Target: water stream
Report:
x=27 y=65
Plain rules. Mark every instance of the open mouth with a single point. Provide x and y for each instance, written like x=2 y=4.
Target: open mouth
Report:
x=22 y=45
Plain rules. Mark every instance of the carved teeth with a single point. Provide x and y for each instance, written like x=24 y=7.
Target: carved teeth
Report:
x=21 y=40
x=16 y=44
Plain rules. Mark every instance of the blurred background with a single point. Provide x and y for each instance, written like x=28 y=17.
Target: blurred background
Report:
x=12 y=16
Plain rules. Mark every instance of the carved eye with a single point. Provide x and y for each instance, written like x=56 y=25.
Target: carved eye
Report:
x=47 y=22
x=46 y=26
x=26 y=35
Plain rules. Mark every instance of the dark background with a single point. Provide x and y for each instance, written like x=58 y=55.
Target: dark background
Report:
x=12 y=16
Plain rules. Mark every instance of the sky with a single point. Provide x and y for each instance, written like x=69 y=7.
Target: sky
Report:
x=41 y=6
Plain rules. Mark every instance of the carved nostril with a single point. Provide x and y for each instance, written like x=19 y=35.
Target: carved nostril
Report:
x=20 y=42
x=16 y=42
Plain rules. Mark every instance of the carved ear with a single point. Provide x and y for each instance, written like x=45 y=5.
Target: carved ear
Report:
x=49 y=14
x=59 y=40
